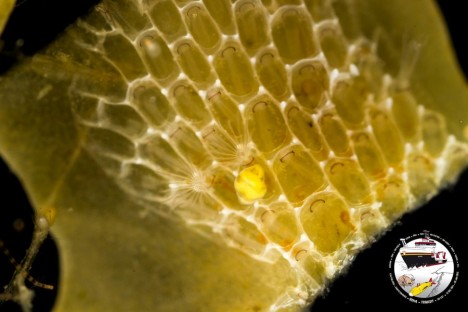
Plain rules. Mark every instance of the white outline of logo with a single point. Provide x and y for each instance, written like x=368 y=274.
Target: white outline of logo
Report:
x=426 y=255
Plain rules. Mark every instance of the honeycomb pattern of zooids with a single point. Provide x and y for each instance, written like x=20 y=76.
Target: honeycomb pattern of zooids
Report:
x=270 y=126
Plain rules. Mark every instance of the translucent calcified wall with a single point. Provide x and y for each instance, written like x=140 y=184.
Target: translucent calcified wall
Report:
x=270 y=126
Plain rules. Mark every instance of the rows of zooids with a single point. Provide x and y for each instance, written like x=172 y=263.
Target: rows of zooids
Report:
x=271 y=127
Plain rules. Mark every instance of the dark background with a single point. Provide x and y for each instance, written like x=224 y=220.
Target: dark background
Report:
x=366 y=285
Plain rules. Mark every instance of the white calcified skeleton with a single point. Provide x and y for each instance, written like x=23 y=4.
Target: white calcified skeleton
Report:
x=212 y=88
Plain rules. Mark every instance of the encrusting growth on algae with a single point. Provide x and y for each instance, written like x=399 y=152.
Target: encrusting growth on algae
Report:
x=262 y=124
x=272 y=127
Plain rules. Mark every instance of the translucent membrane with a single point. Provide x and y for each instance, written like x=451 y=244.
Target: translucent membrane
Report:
x=421 y=175
x=189 y=104
x=388 y=136
x=369 y=155
x=333 y=44
x=280 y=225
x=245 y=235
x=221 y=11
x=270 y=126
x=157 y=58
x=266 y=125
x=405 y=112
x=307 y=131
x=310 y=261
x=243 y=113
x=292 y=33
x=272 y=74
x=298 y=174
x=220 y=145
x=320 y=9
x=158 y=151
x=392 y=192
x=326 y=220
x=226 y=112
x=335 y=133
x=194 y=63
x=109 y=142
x=348 y=178
x=235 y=70
x=201 y=26
x=349 y=102
x=309 y=83
x=434 y=133
x=189 y=145
x=122 y=53
x=252 y=24
x=142 y=180
x=223 y=186
x=152 y=104
x=165 y=15
x=125 y=120
x=370 y=68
